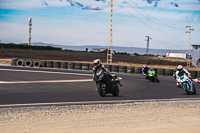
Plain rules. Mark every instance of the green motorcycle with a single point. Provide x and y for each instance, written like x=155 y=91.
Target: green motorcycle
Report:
x=152 y=76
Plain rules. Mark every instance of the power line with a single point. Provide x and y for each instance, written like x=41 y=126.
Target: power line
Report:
x=141 y=20
x=153 y=19
x=173 y=39
x=134 y=16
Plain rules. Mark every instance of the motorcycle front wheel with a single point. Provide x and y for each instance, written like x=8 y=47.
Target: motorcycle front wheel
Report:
x=158 y=80
x=185 y=86
x=153 y=79
x=115 y=91
x=194 y=89
x=101 y=89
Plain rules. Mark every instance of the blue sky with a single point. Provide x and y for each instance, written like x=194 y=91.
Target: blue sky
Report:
x=86 y=22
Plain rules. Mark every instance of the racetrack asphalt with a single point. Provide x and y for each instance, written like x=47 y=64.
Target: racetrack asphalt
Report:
x=64 y=86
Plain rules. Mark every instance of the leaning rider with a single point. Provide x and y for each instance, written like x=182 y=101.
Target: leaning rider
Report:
x=145 y=69
x=98 y=65
x=179 y=72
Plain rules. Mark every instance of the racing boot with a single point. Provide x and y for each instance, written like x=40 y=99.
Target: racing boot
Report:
x=177 y=84
x=119 y=82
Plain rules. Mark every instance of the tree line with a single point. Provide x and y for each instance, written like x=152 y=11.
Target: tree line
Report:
x=136 y=54
x=27 y=46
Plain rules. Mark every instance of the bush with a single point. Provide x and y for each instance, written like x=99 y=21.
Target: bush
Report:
x=26 y=46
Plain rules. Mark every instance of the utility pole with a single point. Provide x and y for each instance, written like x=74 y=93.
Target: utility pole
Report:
x=147 y=49
x=109 y=51
x=30 y=24
x=189 y=45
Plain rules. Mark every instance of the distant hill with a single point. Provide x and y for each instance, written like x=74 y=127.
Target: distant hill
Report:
x=130 y=50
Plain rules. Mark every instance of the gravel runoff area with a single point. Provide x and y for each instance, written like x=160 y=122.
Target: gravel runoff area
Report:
x=138 y=117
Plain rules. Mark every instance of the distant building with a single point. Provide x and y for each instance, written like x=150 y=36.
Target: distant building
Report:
x=99 y=50
x=195 y=54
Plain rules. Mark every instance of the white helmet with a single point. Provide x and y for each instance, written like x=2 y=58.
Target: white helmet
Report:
x=180 y=67
x=97 y=62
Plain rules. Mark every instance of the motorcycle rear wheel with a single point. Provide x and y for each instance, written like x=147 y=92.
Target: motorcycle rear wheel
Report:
x=101 y=89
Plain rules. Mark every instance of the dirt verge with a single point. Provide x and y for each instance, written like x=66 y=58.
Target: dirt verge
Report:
x=151 y=117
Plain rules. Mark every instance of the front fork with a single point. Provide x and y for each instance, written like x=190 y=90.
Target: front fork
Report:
x=189 y=85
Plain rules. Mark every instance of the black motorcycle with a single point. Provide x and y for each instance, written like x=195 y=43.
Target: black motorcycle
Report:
x=105 y=83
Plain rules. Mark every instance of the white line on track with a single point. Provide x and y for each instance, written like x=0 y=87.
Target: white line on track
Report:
x=46 y=81
x=44 y=72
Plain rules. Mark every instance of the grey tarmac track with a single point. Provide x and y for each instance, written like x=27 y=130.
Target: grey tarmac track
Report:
x=135 y=87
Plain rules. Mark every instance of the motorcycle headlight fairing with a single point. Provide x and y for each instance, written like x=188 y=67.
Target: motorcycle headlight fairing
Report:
x=101 y=76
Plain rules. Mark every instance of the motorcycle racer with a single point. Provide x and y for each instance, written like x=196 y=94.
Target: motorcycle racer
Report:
x=98 y=65
x=145 y=69
x=179 y=72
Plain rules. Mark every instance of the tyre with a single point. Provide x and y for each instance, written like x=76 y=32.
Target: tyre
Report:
x=78 y=66
x=138 y=70
x=64 y=65
x=123 y=69
x=36 y=64
x=169 y=72
x=198 y=74
x=156 y=70
x=28 y=63
x=56 y=64
x=193 y=74
x=13 y=61
x=115 y=91
x=109 y=67
x=85 y=66
x=130 y=69
x=115 y=68
x=49 y=64
x=71 y=65
x=194 y=89
x=161 y=72
x=20 y=62
x=157 y=80
x=153 y=79
x=91 y=67
x=185 y=87
x=101 y=89
x=43 y=63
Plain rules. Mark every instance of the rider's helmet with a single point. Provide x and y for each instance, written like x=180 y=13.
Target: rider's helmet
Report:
x=97 y=63
x=180 y=68
x=144 y=66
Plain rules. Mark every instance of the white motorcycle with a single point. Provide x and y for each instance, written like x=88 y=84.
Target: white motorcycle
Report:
x=187 y=85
